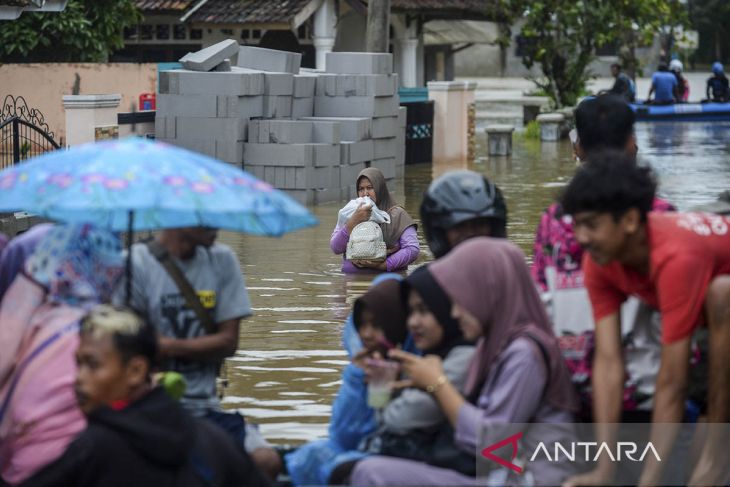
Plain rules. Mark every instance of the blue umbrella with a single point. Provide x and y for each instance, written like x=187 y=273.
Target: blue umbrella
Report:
x=136 y=184
x=162 y=186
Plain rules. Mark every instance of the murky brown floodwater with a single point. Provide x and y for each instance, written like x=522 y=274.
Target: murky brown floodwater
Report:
x=287 y=369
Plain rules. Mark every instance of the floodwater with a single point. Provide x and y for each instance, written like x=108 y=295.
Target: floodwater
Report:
x=287 y=370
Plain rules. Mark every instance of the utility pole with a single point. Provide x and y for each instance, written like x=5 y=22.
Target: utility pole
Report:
x=378 y=30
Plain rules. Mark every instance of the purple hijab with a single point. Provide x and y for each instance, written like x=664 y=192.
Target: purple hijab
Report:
x=490 y=279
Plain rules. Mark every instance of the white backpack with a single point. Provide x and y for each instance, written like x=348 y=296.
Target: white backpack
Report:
x=366 y=243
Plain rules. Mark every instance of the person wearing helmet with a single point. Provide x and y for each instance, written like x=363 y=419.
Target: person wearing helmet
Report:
x=718 y=90
x=676 y=67
x=460 y=205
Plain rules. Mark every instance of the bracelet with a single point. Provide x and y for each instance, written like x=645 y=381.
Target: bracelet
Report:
x=435 y=387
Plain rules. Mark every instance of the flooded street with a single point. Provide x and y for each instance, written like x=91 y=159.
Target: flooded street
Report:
x=288 y=366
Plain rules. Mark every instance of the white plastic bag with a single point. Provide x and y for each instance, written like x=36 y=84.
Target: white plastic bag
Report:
x=377 y=215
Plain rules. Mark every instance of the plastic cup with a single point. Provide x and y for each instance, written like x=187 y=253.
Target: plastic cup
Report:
x=382 y=375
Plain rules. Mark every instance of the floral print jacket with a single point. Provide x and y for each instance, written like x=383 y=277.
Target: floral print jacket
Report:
x=555 y=243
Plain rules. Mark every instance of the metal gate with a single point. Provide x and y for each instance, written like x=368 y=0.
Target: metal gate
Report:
x=23 y=132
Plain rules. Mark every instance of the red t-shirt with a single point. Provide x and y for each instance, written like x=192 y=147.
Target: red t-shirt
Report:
x=686 y=251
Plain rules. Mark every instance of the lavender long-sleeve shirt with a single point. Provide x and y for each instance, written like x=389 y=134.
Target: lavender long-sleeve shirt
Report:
x=512 y=394
x=396 y=261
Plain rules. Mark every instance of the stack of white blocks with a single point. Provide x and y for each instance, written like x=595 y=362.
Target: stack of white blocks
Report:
x=309 y=134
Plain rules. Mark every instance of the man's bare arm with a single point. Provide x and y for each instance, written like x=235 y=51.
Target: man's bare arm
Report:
x=211 y=347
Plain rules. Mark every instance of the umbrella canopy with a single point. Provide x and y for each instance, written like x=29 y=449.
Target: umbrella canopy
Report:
x=161 y=185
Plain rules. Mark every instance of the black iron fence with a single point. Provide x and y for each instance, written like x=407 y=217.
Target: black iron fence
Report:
x=23 y=132
x=419 y=131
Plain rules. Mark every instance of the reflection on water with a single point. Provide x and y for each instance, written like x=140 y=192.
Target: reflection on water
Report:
x=287 y=370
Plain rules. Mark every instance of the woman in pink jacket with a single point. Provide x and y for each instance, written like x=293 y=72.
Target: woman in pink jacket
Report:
x=71 y=270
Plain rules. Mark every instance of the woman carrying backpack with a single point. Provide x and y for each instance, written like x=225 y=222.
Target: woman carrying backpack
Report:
x=399 y=235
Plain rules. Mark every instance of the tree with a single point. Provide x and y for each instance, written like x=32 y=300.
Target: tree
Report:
x=712 y=19
x=561 y=37
x=378 y=26
x=86 y=31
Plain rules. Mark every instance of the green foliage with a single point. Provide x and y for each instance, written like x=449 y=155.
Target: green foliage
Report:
x=86 y=31
x=532 y=130
x=560 y=37
x=712 y=19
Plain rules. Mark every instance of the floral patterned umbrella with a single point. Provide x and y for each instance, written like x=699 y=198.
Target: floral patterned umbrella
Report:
x=136 y=184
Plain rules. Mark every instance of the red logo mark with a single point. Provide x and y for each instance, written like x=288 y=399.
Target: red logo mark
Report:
x=510 y=440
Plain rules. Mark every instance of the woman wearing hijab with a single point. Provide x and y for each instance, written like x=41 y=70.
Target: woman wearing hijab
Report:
x=399 y=235
x=377 y=314
x=517 y=374
x=72 y=269
x=434 y=332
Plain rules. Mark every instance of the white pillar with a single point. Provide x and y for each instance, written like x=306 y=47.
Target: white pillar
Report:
x=409 y=62
x=325 y=31
x=86 y=113
x=451 y=119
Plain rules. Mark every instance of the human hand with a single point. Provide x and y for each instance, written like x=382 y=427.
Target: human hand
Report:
x=594 y=477
x=362 y=214
x=370 y=264
x=422 y=371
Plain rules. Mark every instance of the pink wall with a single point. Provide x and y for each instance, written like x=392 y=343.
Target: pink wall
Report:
x=44 y=84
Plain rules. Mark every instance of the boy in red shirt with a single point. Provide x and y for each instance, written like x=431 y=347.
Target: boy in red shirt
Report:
x=676 y=262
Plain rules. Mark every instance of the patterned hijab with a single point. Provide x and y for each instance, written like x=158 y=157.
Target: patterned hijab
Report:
x=489 y=278
x=77 y=265
x=72 y=269
x=399 y=218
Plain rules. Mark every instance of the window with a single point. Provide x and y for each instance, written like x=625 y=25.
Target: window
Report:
x=245 y=34
x=302 y=31
x=130 y=33
x=145 y=32
x=179 y=32
x=162 y=31
x=256 y=34
x=227 y=32
x=610 y=49
x=196 y=34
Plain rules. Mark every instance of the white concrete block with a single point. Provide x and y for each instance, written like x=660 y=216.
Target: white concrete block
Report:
x=355 y=106
x=384 y=127
x=325 y=132
x=240 y=106
x=278 y=84
x=359 y=63
x=211 y=128
x=386 y=165
x=281 y=131
x=204 y=146
x=187 y=105
x=302 y=107
x=269 y=59
x=326 y=154
x=304 y=85
x=277 y=106
x=349 y=173
x=210 y=57
x=236 y=83
x=351 y=128
x=383 y=148
x=357 y=152
x=278 y=154
x=229 y=151
x=165 y=127
x=402 y=116
x=169 y=82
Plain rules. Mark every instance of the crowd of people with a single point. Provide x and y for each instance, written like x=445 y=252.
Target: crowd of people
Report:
x=669 y=86
x=623 y=315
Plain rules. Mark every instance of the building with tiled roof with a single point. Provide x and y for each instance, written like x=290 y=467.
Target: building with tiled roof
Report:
x=171 y=28
x=12 y=9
